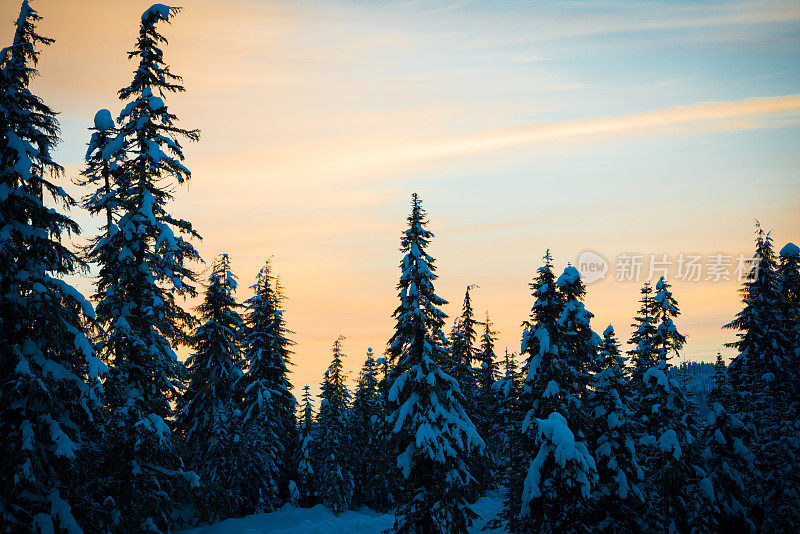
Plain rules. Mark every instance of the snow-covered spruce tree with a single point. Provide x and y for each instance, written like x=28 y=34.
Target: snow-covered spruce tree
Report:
x=789 y=290
x=720 y=390
x=143 y=262
x=643 y=354
x=48 y=369
x=386 y=461
x=579 y=342
x=538 y=334
x=209 y=404
x=753 y=370
x=268 y=406
x=758 y=378
x=462 y=353
x=666 y=441
x=488 y=370
x=667 y=341
x=306 y=471
x=549 y=491
x=557 y=488
x=507 y=416
x=485 y=405
x=618 y=496
x=777 y=424
x=724 y=501
x=335 y=480
x=432 y=434
x=370 y=481
x=788 y=283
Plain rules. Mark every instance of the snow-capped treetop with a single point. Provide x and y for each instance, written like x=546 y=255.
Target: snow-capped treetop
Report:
x=664 y=299
x=667 y=339
x=609 y=331
x=21 y=66
x=268 y=353
x=643 y=354
x=756 y=322
x=103 y=120
x=790 y=249
x=365 y=401
x=489 y=369
x=214 y=366
x=720 y=391
x=462 y=350
x=564 y=374
x=158 y=12
x=540 y=332
x=419 y=304
x=569 y=276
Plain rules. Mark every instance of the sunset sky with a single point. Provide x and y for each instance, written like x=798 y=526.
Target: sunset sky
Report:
x=619 y=127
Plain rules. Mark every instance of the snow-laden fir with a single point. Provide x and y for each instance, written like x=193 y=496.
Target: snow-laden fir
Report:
x=102 y=428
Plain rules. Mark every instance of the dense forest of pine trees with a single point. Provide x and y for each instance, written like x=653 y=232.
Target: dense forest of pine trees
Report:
x=102 y=428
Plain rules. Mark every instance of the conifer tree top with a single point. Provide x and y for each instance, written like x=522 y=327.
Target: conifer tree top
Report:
x=790 y=250
x=419 y=304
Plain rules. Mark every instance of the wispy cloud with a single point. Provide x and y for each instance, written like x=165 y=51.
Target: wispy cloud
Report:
x=359 y=158
x=677 y=119
x=318 y=118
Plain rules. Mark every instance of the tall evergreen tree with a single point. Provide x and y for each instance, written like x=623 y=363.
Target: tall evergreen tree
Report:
x=556 y=491
x=488 y=371
x=754 y=368
x=724 y=500
x=432 y=434
x=386 y=461
x=305 y=459
x=618 y=496
x=663 y=409
x=720 y=390
x=459 y=365
x=788 y=282
x=48 y=369
x=643 y=355
x=335 y=481
x=536 y=346
x=268 y=406
x=143 y=269
x=789 y=291
x=209 y=404
x=667 y=340
x=463 y=353
x=370 y=480
x=507 y=416
x=486 y=403
x=760 y=382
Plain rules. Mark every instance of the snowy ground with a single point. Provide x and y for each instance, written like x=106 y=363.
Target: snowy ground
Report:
x=320 y=520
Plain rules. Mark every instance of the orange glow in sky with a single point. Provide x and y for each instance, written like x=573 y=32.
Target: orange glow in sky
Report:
x=619 y=127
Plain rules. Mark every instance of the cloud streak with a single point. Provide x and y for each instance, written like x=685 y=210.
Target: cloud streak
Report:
x=684 y=118
x=360 y=159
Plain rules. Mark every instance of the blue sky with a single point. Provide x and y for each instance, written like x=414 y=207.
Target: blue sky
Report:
x=646 y=127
